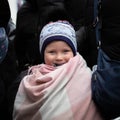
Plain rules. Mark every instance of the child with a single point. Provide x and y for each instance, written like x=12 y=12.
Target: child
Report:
x=60 y=88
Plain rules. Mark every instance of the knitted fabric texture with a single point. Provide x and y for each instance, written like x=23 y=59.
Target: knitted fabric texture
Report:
x=61 y=31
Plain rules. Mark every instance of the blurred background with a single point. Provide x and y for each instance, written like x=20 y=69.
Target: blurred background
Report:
x=14 y=6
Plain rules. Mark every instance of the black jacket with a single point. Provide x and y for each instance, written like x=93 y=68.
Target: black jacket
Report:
x=4 y=13
x=110 y=13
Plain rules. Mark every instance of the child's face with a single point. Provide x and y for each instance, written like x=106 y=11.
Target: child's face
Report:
x=57 y=53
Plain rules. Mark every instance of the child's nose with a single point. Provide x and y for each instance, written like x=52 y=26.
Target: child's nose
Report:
x=59 y=56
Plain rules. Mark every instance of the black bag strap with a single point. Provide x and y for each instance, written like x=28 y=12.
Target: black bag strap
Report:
x=97 y=23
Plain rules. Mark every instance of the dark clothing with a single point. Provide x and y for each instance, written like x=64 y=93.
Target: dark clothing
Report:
x=12 y=92
x=26 y=40
x=106 y=90
x=8 y=73
x=4 y=13
x=81 y=11
x=111 y=28
x=4 y=19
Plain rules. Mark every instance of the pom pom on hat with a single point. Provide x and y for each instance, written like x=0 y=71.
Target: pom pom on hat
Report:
x=60 y=30
x=3 y=44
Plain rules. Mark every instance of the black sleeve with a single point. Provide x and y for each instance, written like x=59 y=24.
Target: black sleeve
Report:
x=4 y=13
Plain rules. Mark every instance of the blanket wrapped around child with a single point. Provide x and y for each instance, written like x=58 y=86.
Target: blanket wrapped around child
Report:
x=56 y=93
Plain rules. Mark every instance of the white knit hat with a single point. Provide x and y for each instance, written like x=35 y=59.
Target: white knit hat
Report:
x=60 y=30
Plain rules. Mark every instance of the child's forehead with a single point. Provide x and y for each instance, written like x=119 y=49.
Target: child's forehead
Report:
x=58 y=42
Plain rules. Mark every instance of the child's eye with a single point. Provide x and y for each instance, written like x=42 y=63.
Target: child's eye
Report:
x=52 y=52
x=66 y=51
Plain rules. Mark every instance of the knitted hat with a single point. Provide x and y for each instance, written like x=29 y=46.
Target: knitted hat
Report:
x=3 y=44
x=60 y=30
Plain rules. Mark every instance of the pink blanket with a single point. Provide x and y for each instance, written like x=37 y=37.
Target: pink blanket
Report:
x=56 y=93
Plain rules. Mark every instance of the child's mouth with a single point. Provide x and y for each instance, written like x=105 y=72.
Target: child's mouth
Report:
x=56 y=64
